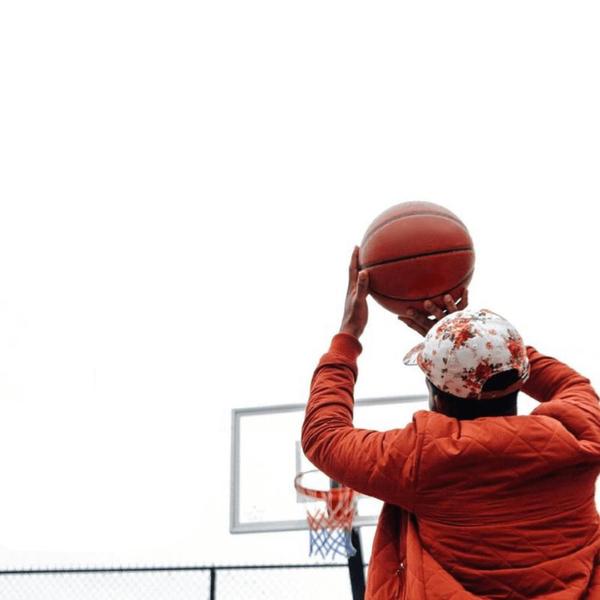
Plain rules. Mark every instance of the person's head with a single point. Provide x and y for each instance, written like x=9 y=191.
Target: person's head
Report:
x=475 y=362
x=464 y=408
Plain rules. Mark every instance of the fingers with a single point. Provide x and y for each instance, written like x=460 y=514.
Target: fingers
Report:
x=353 y=269
x=450 y=304
x=464 y=300
x=354 y=260
x=419 y=318
x=433 y=309
x=362 y=285
x=413 y=325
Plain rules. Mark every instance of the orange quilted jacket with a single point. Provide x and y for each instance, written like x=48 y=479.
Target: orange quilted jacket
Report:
x=496 y=507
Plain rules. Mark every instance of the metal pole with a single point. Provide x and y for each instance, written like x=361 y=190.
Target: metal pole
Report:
x=355 y=563
x=213 y=583
x=356 y=568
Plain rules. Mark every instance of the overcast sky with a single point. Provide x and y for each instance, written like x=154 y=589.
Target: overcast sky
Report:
x=181 y=186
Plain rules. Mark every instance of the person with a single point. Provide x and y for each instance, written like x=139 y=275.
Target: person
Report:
x=478 y=502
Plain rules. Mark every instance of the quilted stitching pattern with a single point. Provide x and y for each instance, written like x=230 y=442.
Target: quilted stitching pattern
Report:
x=523 y=561
x=557 y=565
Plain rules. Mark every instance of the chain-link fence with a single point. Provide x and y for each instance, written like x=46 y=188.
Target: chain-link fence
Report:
x=232 y=582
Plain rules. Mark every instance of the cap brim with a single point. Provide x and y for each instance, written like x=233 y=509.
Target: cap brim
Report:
x=412 y=355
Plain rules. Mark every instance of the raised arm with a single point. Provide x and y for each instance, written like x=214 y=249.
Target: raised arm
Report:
x=565 y=395
x=376 y=463
x=381 y=464
x=549 y=379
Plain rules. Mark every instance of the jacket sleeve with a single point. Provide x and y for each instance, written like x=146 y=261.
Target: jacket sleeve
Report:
x=380 y=464
x=564 y=393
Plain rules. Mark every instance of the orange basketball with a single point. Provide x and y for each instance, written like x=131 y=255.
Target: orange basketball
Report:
x=416 y=251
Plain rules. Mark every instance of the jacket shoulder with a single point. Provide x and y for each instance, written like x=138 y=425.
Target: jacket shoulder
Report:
x=578 y=412
x=538 y=439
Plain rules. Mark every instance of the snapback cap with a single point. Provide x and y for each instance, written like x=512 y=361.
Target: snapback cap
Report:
x=467 y=347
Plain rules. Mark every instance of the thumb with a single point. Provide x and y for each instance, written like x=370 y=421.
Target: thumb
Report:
x=362 y=284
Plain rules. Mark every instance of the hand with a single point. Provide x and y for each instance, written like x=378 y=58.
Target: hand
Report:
x=356 y=311
x=420 y=321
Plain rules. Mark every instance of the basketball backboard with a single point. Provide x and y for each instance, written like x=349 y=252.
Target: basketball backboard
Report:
x=266 y=456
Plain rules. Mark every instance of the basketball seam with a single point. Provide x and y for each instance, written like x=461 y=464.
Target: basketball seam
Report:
x=393 y=260
x=425 y=297
x=416 y=214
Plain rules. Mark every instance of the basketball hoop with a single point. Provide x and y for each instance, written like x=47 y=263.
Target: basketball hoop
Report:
x=330 y=527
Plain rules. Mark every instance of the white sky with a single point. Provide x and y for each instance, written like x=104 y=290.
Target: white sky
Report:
x=181 y=186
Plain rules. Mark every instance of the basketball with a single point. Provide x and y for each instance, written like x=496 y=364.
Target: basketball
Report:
x=416 y=251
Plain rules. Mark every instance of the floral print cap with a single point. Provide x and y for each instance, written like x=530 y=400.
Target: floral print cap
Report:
x=465 y=348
